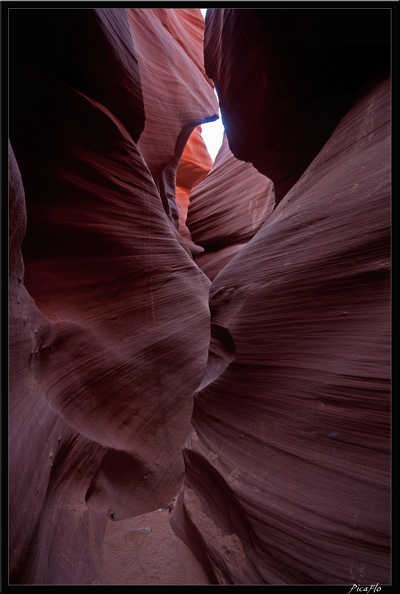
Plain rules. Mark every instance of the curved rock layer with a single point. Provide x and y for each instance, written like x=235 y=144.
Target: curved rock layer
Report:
x=227 y=208
x=288 y=465
x=195 y=162
x=194 y=165
x=98 y=410
x=169 y=46
x=285 y=472
x=285 y=78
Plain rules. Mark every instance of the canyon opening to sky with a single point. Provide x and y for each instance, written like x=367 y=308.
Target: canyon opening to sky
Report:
x=212 y=132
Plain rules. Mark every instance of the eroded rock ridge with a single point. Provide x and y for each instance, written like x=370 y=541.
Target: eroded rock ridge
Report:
x=199 y=352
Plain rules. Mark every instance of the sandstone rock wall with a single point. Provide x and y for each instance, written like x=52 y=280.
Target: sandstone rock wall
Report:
x=194 y=165
x=227 y=208
x=300 y=71
x=288 y=465
x=110 y=303
x=261 y=399
x=287 y=475
x=168 y=44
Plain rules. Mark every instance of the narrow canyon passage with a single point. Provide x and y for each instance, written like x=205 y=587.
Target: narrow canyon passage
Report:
x=199 y=350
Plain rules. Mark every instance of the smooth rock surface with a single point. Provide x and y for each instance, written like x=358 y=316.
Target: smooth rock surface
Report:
x=288 y=465
x=285 y=78
x=194 y=165
x=164 y=429
x=169 y=46
x=109 y=302
x=228 y=207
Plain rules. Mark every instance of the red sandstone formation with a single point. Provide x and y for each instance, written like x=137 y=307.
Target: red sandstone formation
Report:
x=194 y=165
x=169 y=44
x=98 y=411
x=285 y=473
x=300 y=70
x=287 y=467
x=227 y=208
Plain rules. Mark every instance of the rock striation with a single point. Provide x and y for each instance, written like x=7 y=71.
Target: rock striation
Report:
x=168 y=44
x=194 y=165
x=109 y=302
x=300 y=71
x=298 y=381
x=287 y=466
x=200 y=400
x=227 y=208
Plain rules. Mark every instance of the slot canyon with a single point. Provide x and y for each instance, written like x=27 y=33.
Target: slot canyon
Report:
x=199 y=350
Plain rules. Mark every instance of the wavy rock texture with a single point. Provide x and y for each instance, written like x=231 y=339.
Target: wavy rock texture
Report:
x=288 y=464
x=300 y=70
x=227 y=208
x=194 y=165
x=98 y=410
x=285 y=472
x=184 y=89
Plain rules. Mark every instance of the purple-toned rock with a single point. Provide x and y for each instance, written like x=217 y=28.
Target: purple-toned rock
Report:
x=285 y=78
x=169 y=46
x=274 y=379
x=288 y=464
x=110 y=305
x=227 y=208
x=194 y=165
